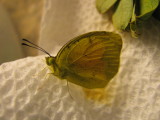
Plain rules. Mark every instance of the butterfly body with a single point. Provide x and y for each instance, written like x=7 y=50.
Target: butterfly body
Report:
x=90 y=60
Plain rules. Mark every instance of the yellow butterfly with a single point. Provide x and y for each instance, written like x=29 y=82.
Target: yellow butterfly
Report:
x=90 y=60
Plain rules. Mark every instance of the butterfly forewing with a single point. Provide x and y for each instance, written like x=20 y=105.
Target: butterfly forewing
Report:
x=92 y=59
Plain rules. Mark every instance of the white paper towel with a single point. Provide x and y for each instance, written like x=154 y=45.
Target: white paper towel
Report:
x=66 y=19
x=133 y=94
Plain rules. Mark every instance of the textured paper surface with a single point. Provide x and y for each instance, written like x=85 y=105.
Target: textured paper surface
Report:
x=133 y=94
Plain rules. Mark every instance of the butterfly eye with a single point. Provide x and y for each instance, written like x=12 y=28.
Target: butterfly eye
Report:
x=50 y=60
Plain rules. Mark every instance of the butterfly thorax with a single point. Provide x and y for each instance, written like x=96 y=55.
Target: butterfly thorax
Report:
x=54 y=68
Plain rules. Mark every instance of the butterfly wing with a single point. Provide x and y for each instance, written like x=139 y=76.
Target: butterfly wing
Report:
x=92 y=59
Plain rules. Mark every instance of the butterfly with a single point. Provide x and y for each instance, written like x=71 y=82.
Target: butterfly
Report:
x=90 y=60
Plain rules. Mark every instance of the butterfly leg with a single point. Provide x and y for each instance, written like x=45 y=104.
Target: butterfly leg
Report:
x=37 y=74
x=69 y=90
x=43 y=83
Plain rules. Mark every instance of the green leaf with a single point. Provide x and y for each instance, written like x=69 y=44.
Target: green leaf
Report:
x=123 y=14
x=146 y=8
x=104 y=5
x=133 y=24
x=157 y=13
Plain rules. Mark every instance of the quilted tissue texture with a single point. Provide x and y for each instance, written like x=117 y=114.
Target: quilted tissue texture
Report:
x=24 y=95
x=133 y=94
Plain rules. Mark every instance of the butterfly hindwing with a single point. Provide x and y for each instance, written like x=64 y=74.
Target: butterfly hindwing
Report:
x=92 y=59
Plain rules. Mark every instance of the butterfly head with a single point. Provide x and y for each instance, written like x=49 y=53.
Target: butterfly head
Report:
x=50 y=61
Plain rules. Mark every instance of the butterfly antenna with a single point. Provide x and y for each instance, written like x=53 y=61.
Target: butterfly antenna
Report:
x=69 y=90
x=34 y=46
